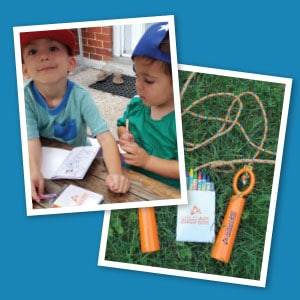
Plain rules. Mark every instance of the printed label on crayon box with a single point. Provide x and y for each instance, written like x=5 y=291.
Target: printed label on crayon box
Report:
x=193 y=220
x=196 y=220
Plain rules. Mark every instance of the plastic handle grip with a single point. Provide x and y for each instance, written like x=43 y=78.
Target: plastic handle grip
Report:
x=225 y=240
x=148 y=230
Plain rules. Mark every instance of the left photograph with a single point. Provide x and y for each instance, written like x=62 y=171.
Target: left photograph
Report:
x=100 y=115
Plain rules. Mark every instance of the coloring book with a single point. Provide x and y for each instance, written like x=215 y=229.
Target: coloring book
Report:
x=77 y=196
x=67 y=164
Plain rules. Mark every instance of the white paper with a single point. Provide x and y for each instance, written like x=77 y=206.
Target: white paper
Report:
x=52 y=159
x=77 y=196
x=196 y=220
x=60 y=163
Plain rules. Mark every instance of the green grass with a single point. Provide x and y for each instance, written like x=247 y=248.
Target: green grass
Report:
x=246 y=259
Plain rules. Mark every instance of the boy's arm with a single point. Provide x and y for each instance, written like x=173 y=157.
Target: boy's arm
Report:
x=121 y=130
x=115 y=180
x=137 y=156
x=163 y=167
x=111 y=154
x=35 y=162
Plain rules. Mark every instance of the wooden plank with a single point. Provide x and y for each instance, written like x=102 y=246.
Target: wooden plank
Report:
x=142 y=188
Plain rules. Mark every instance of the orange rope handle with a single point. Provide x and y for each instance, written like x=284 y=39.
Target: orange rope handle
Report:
x=236 y=177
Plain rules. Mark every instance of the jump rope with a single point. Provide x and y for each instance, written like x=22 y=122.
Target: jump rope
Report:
x=226 y=237
x=223 y=130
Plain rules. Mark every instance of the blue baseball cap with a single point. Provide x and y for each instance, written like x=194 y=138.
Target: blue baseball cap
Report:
x=149 y=43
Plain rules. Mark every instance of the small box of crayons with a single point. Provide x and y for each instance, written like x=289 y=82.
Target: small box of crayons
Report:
x=196 y=220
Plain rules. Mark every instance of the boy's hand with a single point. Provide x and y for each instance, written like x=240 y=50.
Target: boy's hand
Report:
x=126 y=138
x=118 y=183
x=37 y=186
x=35 y=161
x=135 y=155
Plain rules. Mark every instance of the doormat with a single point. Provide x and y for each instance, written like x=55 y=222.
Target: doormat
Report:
x=126 y=89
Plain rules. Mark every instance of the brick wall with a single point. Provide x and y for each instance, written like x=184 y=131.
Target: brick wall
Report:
x=96 y=42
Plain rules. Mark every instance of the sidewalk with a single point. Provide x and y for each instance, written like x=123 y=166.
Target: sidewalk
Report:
x=110 y=106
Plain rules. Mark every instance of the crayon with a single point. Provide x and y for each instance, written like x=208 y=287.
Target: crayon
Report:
x=204 y=179
x=187 y=179
x=200 y=182
x=195 y=181
x=191 y=179
x=207 y=183
x=127 y=125
x=48 y=196
x=211 y=186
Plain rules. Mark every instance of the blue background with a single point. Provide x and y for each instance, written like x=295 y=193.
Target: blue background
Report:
x=51 y=256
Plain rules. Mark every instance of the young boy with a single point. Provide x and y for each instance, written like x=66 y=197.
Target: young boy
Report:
x=59 y=108
x=149 y=139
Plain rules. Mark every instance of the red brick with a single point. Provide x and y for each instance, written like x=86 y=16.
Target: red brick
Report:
x=89 y=35
x=95 y=43
x=103 y=51
x=107 y=45
x=96 y=57
x=94 y=29
x=103 y=37
x=107 y=30
x=86 y=54
x=91 y=49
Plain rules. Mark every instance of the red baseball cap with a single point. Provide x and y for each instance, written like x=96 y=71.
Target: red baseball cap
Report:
x=64 y=36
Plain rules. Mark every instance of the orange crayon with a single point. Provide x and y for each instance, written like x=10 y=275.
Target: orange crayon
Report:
x=148 y=230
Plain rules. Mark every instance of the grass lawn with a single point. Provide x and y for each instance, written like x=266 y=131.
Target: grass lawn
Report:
x=246 y=259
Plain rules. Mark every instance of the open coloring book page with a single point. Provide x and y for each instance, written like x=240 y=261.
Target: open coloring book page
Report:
x=60 y=163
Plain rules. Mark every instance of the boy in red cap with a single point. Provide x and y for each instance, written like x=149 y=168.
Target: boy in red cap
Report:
x=150 y=139
x=60 y=109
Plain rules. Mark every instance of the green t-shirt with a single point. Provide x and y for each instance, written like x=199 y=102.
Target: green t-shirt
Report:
x=156 y=137
x=68 y=121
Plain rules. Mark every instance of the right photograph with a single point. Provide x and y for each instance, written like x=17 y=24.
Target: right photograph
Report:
x=234 y=127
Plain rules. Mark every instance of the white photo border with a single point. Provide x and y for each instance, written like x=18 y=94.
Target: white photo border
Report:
x=227 y=279
x=140 y=20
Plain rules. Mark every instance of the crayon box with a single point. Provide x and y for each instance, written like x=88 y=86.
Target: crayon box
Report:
x=196 y=220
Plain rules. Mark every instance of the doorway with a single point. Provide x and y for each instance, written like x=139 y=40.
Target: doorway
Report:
x=125 y=38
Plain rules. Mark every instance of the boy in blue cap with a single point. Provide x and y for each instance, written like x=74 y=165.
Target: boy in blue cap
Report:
x=59 y=108
x=150 y=139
